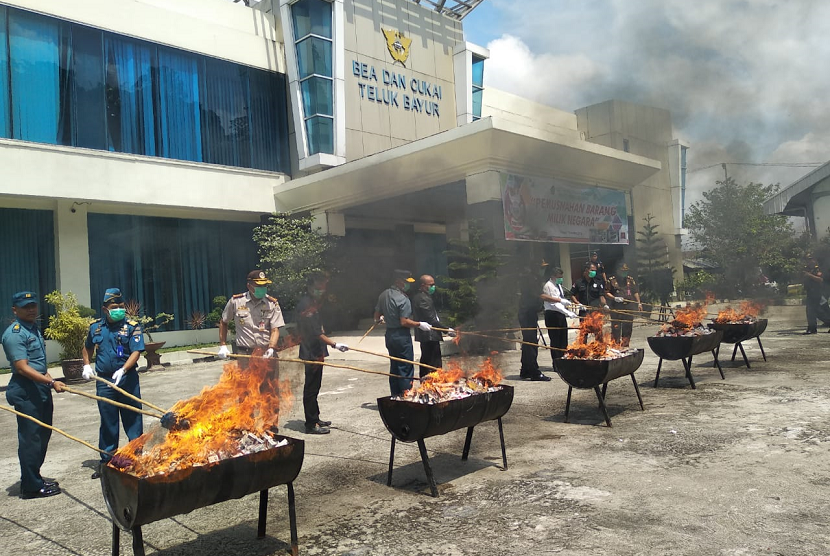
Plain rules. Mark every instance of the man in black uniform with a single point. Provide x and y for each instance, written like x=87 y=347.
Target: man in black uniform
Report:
x=813 y=282
x=530 y=303
x=314 y=347
x=423 y=309
x=600 y=268
x=626 y=295
x=588 y=290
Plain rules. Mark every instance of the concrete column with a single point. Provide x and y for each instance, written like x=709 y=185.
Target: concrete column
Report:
x=72 y=249
x=329 y=223
x=565 y=260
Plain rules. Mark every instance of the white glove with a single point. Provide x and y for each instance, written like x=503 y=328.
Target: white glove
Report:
x=117 y=376
x=565 y=302
x=88 y=372
x=341 y=347
x=268 y=353
x=424 y=326
x=223 y=352
x=606 y=307
x=452 y=333
x=571 y=315
x=381 y=320
x=619 y=299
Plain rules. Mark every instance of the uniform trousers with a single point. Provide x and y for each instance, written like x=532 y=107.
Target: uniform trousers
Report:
x=559 y=336
x=110 y=414
x=528 y=318
x=430 y=355
x=34 y=400
x=399 y=344
x=311 y=388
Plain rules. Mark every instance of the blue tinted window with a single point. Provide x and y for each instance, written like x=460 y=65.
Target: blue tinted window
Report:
x=4 y=77
x=320 y=134
x=311 y=17
x=478 y=71
x=317 y=92
x=314 y=56
x=33 y=53
x=178 y=110
x=269 y=121
x=477 y=102
x=225 y=122
x=129 y=96
x=82 y=104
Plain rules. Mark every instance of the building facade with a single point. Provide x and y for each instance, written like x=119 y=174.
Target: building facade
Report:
x=142 y=140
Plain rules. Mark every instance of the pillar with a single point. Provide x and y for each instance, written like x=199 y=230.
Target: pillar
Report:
x=72 y=249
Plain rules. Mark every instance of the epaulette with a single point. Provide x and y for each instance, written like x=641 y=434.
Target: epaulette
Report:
x=16 y=328
x=238 y=295
x=132 y=322
x=272 y=299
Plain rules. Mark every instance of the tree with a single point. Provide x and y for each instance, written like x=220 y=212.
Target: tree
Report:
x=654 y=270
x=289 y=250
x=730 y=227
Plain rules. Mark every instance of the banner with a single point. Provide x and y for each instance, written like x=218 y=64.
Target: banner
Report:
x=553 y=210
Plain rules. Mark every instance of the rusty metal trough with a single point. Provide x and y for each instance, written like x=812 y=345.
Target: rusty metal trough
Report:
x=684 y=348
x=739 y=333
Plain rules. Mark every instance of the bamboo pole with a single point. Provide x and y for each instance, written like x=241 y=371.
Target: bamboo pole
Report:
x=367 y=333
x=122 y=391
x=50 y=427
x=502 y=339
x=395 y=358
x=111 y=402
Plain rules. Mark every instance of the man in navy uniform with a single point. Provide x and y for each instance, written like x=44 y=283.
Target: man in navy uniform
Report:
x=30 y=392
x=118 y=342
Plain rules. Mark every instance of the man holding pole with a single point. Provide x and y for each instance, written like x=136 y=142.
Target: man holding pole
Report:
x=394 y=308
x=30 y=392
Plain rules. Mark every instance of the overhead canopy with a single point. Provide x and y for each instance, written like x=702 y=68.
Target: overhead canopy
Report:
x=793 y=200
x=450 y=156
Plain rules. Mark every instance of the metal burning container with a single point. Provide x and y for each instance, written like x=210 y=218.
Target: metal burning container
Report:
x=737 y=333
x=134 y=501
x=591 y=373
x=684 y=348
x=413 y=422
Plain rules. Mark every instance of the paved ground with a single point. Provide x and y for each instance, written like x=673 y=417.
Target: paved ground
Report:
x=736 y=467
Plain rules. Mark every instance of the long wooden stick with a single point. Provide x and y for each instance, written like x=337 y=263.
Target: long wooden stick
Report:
x=394 y=358
x=460 y=332
x=50 y=427
x=367 y=333
x=122 y=391
x=291 y=360
x=111 y=402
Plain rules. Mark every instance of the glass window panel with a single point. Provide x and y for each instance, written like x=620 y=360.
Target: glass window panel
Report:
x=311 y=16
x=225 y=118
x=314 y=56
x=477 y=96
x=34 y=69
x=320 y=133
x=179 y=122
x=129 y=96
x=5 y=128
x=269 y=121
x=82 y=112
x=317 y=96
x=478 y=71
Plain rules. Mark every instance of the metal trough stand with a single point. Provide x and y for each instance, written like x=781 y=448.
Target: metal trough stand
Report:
x=413 y=422
x=591 y=373
x=739 y=333
x=684 y=348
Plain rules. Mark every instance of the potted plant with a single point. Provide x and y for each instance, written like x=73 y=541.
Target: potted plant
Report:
x=69 y=328
x=148 y=325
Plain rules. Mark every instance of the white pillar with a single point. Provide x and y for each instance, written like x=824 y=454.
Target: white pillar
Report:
x=329 y=223
x=565 y=260
x=72 y=250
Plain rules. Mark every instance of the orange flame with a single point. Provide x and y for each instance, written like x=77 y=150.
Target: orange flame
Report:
x=440 y=384
x=749 y=310
x=591 y=325
x=242 y=401
x=690 y=317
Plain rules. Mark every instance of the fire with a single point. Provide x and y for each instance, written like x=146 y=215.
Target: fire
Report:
x=453 y=382
x=601 y=346
x=243 y=403
x=748 y=312
x=690 y=317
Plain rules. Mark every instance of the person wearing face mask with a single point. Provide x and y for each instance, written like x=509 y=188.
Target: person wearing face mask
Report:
x=556 y=313
x=588 y=290
x=257 y=317
x=626 y=295
x=423 y=309
x=530 y=304
x=395 y=309
x=314 y=346
x=117 y=343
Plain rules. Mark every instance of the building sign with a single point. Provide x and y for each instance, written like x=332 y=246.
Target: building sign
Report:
x=394 y=89
x=553 y=210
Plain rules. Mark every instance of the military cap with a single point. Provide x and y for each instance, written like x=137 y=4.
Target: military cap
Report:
x=404 y=275
x=113 y=295
x=258 y=277
x=21 y=299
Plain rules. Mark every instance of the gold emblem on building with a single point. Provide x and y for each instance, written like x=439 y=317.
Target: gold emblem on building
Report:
x=398 y=45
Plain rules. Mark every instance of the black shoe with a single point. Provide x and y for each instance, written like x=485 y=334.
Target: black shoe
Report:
x=50 y=484
x=540 y=378
x=45 y=492
x=317 y=429
x=323 y=423
x=809 y=332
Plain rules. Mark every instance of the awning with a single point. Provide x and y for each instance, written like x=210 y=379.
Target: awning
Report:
x=451 y=156
x=792 y=200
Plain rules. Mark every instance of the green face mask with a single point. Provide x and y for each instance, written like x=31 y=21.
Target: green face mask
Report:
x=623 y=275
x=592 y=273
x=431 y=289
x=260 y=292
x=406 y=286
x=117 y=315
x=559 y=280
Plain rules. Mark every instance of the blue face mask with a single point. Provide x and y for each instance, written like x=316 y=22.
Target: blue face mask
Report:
x=117 y=315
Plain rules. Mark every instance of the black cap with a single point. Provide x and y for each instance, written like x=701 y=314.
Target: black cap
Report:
x=400 y=274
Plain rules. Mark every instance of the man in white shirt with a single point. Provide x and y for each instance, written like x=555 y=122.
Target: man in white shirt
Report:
x=556 y=313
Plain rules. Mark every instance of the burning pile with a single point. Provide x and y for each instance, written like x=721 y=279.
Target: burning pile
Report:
x=229 y=419
x=687 y=322
x=746 y=314
x=452 y=383
x=601 y=347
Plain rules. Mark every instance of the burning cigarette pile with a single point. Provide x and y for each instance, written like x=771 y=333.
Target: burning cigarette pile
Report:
x=687 y=323
x=746 y=314
x=231 y=418
x=452 y=383
x=602 y=347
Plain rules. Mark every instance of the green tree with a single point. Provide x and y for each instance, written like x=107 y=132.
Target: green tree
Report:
x=652 y=254
x=731 y=229
x=289 y=250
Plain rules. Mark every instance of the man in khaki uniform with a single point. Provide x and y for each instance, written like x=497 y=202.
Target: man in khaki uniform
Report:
x=258 y=319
